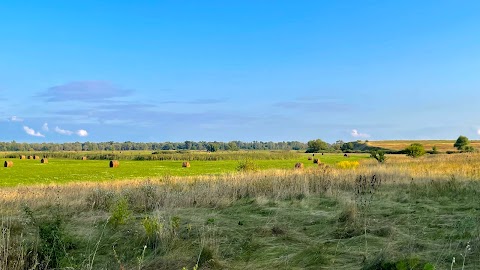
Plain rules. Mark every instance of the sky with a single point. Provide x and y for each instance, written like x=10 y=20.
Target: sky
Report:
x=155 y=71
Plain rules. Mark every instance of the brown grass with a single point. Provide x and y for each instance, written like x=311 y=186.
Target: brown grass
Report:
x=114 y=163
x=8 y=164
x=186 y=164
x=442 y=145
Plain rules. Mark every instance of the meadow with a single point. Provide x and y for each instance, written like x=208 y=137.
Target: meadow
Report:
x=407 y=213
x=134 y=165
x=442 y=145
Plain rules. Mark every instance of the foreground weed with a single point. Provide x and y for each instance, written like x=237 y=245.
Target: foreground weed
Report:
x=54 y=242
x=365 y=188
x=12 y=248
x=465 y=253
x=153 y=231
x=141 y=258
x=120 y=213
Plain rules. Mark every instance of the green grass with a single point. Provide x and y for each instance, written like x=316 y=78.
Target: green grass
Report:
x=405 y=223
x=60 y=171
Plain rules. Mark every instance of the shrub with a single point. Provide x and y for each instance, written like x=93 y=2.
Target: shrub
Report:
x=153 y=230
x=415 y=150
x=461 y=142
x=120 y=213
x=378 y=155
x=247 y=165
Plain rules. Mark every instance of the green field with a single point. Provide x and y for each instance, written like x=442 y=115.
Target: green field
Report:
x=59 y=171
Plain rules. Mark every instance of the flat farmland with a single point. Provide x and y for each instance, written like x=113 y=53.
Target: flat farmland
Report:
x=442 y=145
x=60 y=171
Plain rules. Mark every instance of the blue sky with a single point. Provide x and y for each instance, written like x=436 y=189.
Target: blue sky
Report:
x=238 y=70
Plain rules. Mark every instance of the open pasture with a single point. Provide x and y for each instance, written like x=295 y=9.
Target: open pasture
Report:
x=442 y=145
x=408 y=213
x=63 y=170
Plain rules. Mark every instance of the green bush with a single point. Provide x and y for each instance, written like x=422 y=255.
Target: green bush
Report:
x=378 y=155
x=415 y=150
x=120 y=213
x=247 y=165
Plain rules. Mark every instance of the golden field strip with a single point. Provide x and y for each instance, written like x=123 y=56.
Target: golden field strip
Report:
x=442 y=145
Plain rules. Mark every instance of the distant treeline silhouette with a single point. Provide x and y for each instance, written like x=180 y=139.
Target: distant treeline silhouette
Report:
x=152 y=146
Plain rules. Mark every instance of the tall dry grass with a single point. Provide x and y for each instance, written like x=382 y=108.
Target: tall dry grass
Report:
x=223 y=189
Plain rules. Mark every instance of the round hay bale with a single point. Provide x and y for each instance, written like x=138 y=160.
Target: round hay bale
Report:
x=44 y=160
x=114 y=163
x=186 y=164
x=345 y=155
x=299 y=165
x=8 y=164
x=309 y=158
x=84 y=158
x=30 y=157
x=23 y=157
x=36 y=157
x=316 y=160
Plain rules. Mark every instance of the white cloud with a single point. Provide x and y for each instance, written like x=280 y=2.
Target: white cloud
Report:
x=357 y=134
x=32 y=132
x=82 y=133
x=16 y=119
x=45 y=127
x=63 y=131
x=478 y=131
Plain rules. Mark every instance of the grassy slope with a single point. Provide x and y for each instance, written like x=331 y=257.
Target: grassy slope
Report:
x=442 y=145
x=26 y=172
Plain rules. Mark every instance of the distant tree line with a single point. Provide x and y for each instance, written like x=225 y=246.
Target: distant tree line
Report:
x=153 y=146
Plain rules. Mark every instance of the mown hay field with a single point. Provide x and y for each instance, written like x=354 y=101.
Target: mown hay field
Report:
x=58 y=171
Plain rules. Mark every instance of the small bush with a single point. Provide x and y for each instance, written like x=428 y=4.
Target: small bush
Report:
x=120 y=213
x=415 y=150
x=247 y=165
x=379 y=156
x=153 y=230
